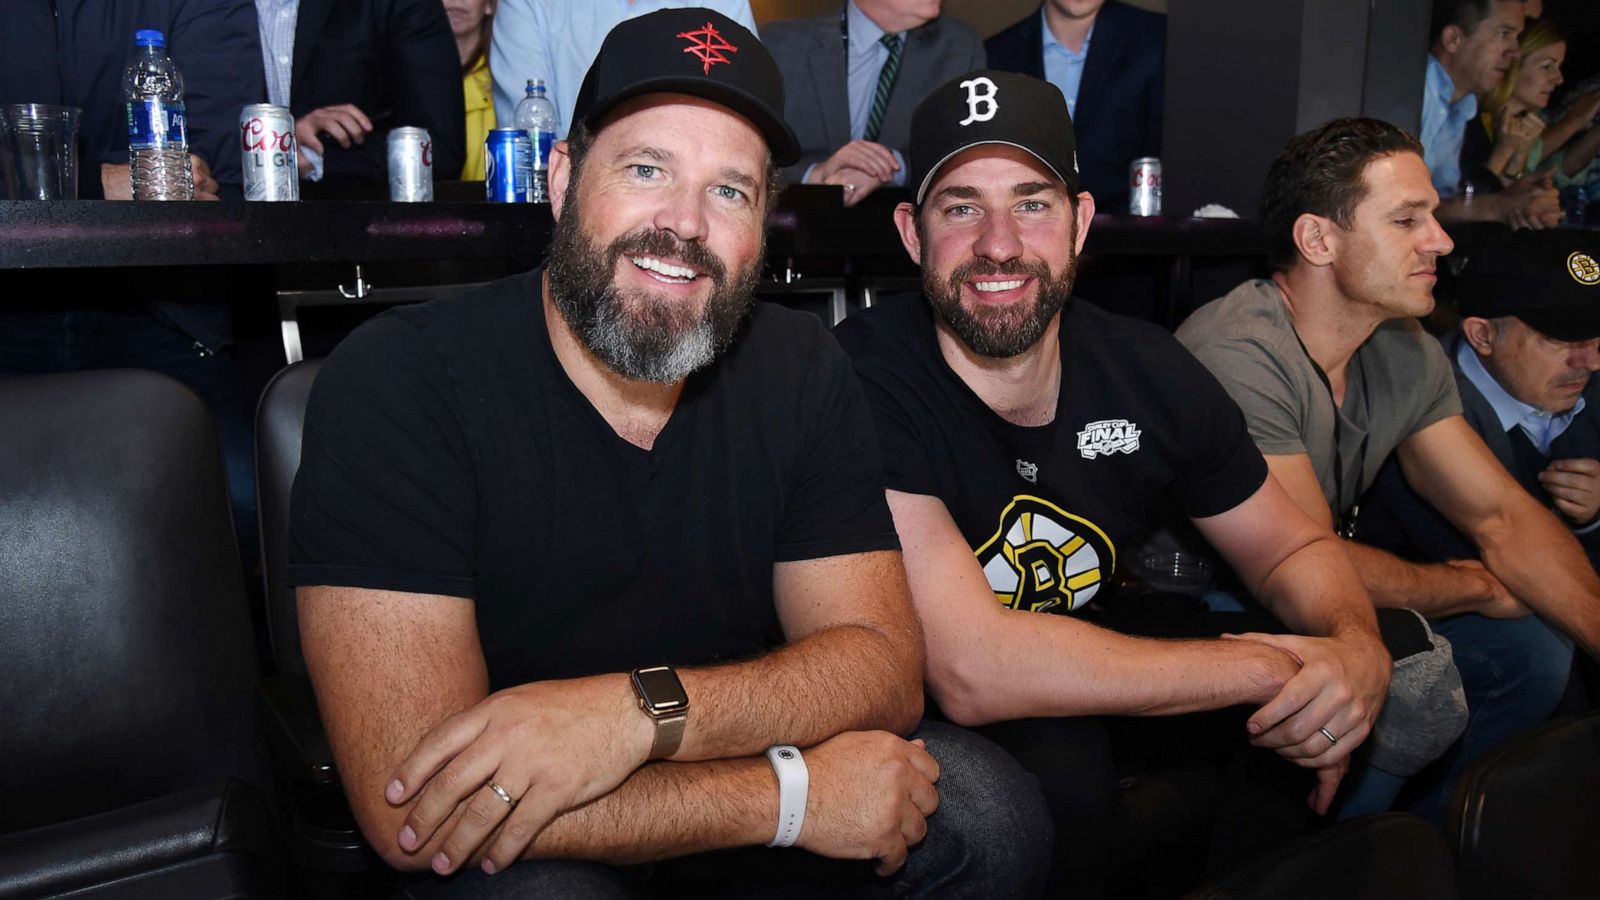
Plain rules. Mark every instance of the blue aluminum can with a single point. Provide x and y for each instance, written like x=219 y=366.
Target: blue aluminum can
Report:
x=507 y=166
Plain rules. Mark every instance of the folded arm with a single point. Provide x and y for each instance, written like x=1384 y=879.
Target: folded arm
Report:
x=988 y=663
x=1520 y=542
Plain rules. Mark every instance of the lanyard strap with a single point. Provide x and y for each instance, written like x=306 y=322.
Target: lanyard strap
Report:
x=1344 y=523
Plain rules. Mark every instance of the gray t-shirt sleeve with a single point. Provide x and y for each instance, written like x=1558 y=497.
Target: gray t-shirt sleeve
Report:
x=1437 y=383
x=1263 y=388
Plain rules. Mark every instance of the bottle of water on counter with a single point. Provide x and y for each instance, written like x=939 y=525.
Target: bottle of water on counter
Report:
x=537 y=116
x=158 y=130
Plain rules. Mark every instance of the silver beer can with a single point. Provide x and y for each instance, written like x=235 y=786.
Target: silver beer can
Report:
x=268 y=152
x=410 y=165
x=1144 y=187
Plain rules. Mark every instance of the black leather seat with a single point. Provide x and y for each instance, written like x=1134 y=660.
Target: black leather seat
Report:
x=1525 y=820
x=130 y=762
x=323 y=838
x=1393 y=856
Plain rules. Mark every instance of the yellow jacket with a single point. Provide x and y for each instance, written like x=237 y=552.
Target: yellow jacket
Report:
x=479 y=88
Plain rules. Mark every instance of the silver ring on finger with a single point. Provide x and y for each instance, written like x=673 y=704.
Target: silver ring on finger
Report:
x=505 y=795
x=1329 y=735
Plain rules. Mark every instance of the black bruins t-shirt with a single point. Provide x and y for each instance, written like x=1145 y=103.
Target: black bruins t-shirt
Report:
x=1047 y=509
x=447 y=452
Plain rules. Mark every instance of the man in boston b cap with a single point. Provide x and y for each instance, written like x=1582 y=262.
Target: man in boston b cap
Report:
x=1027 y=439
x=594 y=564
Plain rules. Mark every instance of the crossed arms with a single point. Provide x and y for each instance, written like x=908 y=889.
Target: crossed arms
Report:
x=403 y=690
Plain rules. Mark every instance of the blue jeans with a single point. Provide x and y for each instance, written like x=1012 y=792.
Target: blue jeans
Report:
x=1514 y=672
x=990 y=837
x=38 y=342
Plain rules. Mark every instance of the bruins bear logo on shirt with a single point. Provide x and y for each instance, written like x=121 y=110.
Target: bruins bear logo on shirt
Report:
x=1042 y=557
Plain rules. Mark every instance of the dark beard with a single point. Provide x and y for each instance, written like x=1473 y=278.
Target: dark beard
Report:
x=633 y=334
x=1000 y=333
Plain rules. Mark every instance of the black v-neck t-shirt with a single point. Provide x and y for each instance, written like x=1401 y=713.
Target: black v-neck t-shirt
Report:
x=446 y=451
x=1047 y=509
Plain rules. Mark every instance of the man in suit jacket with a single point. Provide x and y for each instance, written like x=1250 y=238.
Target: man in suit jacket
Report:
x=835 y=66
x=1109 y=60
x=352 y=70
x=1528 y=344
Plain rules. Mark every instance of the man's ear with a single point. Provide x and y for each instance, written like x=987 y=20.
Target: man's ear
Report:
x=560 y=177
x=1451 y=39
x=1085 y=219
x=905 y=220
x=1479 y=332
x=1314 y=238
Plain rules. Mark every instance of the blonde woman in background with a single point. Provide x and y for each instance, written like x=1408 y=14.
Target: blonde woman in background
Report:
x=1523 y=141
x=471 y=21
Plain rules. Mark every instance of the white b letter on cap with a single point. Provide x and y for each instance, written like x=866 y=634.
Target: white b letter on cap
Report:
x=983 y=101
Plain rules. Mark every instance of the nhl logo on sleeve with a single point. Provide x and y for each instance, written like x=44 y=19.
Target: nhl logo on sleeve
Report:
x=1108 y=436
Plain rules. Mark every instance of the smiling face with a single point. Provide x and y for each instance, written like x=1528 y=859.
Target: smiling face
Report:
x=1539 y=74
x=1387 y=258
x=998 y=239
x=659 y=236
x=1540 y=371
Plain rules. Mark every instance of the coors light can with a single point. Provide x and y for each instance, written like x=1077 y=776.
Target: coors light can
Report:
x=267 y=147
x=1144 y=187
x=410 y=165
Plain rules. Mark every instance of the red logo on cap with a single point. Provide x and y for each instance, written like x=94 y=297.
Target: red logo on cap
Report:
x=708 y=44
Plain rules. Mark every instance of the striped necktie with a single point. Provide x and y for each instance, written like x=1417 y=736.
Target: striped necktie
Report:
x=886 y=76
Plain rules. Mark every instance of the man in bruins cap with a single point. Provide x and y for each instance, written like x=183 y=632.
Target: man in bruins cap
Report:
x=1028 y=438
x=594 y=565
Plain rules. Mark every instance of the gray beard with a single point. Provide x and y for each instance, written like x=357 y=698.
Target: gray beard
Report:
x=635 y=335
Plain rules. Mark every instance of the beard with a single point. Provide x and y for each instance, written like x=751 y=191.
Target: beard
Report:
x=636 y=335
x=1006 y=332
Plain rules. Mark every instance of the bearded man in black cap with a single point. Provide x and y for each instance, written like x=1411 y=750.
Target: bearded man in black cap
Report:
x=521 y=508
x=1027 y=439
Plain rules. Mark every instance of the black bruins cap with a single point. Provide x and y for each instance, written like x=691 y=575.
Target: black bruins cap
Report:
x=1548 y=279
x=989 y=107
x=690 y=51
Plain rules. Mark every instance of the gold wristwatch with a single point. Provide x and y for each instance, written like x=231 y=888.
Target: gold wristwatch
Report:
x=663 y=699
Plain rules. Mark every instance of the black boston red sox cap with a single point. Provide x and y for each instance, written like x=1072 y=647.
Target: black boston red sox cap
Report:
x=1548 y=279
x=691 y=51
x=989 y=107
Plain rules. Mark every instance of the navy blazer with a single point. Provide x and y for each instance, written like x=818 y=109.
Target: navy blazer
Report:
x=1118 y=116
x=396 y=61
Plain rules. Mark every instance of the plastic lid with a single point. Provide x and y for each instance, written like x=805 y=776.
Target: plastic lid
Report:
x=149 y=37
x=535 y=85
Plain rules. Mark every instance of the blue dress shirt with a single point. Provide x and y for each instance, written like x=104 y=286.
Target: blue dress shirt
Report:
x=867 y=56
x=557 y=40
x=1062 y=67
x=1444 y=124
x=276 y=20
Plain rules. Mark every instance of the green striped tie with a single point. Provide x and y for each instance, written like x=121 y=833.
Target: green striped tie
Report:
x=880 y=100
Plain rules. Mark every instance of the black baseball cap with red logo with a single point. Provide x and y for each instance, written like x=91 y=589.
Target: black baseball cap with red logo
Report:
x=989 y=107
x=691 y=51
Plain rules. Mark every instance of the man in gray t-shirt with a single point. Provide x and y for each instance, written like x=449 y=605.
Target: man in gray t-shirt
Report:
x=1334 y=373
x=1399 y=383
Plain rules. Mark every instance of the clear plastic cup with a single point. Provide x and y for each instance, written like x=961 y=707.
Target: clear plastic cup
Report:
x=39 y=151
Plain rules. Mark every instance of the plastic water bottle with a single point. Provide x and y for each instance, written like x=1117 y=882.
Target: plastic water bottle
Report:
x=158 y=130
x=537 y=116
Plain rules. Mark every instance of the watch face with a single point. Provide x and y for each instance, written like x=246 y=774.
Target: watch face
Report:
x=660 y=689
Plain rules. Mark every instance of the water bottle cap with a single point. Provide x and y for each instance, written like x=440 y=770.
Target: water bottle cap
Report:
x=149 y=37
x=535 y=85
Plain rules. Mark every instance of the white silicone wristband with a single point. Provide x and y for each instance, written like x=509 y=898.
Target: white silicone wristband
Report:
x=794 y=783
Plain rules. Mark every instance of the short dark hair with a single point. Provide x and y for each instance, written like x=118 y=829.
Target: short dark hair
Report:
x=1464 y=14
x=1322 y=172
x=580 y=139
